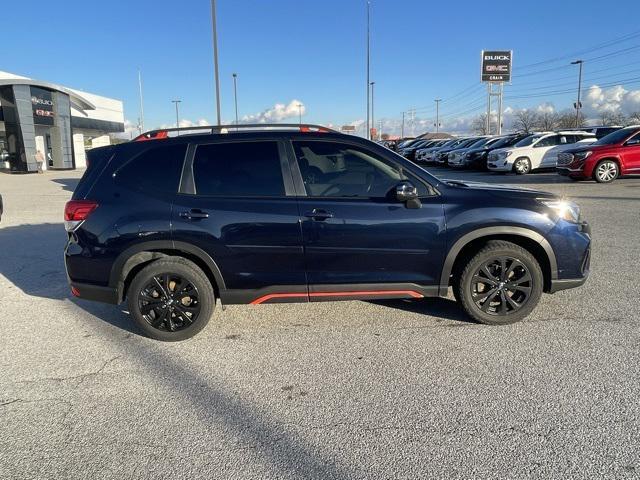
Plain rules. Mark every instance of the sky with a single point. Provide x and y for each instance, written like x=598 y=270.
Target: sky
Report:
x=288 y=52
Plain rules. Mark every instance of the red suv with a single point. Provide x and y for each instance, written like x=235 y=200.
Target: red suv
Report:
x=605 y=160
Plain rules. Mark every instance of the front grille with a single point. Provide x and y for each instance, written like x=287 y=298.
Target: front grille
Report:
x=565 y=158
x=492 y=157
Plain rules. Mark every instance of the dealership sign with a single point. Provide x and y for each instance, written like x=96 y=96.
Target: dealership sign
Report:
x=42 y=103
x=496 y=65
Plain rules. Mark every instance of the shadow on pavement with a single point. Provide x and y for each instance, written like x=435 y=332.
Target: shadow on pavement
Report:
x=32 y=261
x=68 y=184
x=442 y=308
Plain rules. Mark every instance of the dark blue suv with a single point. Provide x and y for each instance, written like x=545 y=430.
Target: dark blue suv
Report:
x=250 y=215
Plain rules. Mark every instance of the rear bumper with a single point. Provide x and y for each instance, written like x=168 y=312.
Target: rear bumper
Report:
x=96 y=293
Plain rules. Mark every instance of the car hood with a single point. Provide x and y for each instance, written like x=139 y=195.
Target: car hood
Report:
x=502 y=190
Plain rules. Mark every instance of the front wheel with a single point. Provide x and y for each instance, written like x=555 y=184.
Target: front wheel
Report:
x=606 y=171
x=501 y=284
x=171 y=299
x=522 y=166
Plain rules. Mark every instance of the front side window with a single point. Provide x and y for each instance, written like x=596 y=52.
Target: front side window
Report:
x=238 y=169
x=549 y=141
x=341 y=170
x=157 y=169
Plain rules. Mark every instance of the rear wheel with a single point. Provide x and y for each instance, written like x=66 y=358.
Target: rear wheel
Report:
x=606 y=171
x=501 y=284
x=522 y=166
x=171 y=299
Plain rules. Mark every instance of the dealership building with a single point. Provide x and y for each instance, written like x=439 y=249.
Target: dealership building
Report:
x=48 y=126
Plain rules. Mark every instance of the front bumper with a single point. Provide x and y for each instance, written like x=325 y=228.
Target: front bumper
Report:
x=499 y=166
x=565 y=284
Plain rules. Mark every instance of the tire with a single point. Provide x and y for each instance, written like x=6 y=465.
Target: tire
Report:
x=606 y=171
x=183 y=312
x=522 y=166
x=524 y=277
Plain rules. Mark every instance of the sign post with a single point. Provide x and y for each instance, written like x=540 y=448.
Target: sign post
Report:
x=496 y=68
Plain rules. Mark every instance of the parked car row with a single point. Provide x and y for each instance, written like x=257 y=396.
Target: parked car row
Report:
x=602 y=153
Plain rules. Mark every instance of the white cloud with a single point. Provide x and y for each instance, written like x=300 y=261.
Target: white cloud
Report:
x=614 y=99
x=277 y=113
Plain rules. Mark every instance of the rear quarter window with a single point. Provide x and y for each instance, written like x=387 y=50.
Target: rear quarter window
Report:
x=155 y=170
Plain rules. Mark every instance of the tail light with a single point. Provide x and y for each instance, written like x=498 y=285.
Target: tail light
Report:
x=76 y=212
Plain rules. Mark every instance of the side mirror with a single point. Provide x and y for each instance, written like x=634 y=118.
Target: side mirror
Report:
x=407 y=193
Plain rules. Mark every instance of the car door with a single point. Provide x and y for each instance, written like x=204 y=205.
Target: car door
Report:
x=357 y=236
x=631 y=155
x=544 y=154
x=238 y=205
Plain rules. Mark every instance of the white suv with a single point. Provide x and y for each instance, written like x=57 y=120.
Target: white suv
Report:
x=539 y=150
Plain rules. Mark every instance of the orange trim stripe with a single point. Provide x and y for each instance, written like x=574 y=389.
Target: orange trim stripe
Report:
x=266 y=298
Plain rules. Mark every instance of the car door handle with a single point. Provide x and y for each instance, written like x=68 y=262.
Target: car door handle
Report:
x=194 y=214
x=318 y=214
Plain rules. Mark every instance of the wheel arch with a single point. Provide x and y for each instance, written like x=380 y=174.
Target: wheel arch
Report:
x=136 y=257
x=469 y=243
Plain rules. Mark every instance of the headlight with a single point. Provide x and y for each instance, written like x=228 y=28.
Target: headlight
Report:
x=582 y=155
x=507 y=154
x=565 y=209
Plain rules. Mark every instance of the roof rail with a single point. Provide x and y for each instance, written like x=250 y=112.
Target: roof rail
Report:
x=222 y=129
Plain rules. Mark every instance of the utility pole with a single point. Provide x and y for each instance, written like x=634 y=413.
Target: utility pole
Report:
x=373 y=123
x=141 y=120
x=368 y=63
x=177 y=115
x=488 y=121
x=438 y=100
x=300 y=112
x=215 y=57
x=402 y=128
x=235 y=93
x=578 y=104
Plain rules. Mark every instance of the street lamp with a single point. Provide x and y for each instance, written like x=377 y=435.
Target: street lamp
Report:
x=438 y=100
x=300 y=112
x=368 y=64
x=578 y=104
x=215 y=56
x=235 y=93
x=372 y=118
x=177 y=115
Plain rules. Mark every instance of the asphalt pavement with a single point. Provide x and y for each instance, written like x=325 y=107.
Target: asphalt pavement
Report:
x=384 y=389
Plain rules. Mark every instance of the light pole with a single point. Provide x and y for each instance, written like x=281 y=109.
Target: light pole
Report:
x=372 y=117
x=141 y=122
x=300 y=113
x=177 y=115
x=438 y=100
x=235 y=93
x=215 y=56
x=368 y=64
x=402 y=128
x=578 y=104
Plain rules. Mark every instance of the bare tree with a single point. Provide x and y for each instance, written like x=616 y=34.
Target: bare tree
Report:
x=479 y=124
x=526 y=121
x=548 y=121
x=612 y=118
x=567 y=119
x=634 y=118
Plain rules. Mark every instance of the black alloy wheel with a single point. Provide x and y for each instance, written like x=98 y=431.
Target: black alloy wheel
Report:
x=168 y=302
x=501 y=286
x=171 y=299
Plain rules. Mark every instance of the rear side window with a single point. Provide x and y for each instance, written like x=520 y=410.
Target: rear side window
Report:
x=155 y=170
x=240 y=169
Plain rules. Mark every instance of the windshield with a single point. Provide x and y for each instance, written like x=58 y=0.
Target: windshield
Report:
x=616 y=137
x=479 y=143
x=525 y=142
x=503 y=142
